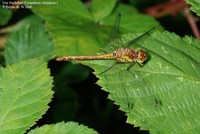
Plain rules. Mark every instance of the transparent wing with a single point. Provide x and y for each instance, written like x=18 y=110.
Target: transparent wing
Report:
x=115 y=33
x=128 y=44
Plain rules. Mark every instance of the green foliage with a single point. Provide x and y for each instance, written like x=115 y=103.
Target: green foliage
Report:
x=60 y=128
x=74 y=30
x=5 y=15
x=25 y=91
x=195 y=5
x=29 y=20
x=98 y=5
x=31 y=41
x=162 y=96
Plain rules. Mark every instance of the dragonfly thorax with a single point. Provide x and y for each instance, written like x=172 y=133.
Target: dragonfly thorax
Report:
x=125 y=55
x=129 y=55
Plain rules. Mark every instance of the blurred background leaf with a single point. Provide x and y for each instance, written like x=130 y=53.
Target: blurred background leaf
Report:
x=5 y=15
x=97 y=6
x=28 y=20
x=31 y=41
x=81 y=34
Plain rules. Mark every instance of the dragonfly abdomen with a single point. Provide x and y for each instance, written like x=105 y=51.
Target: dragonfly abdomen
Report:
x=94 y=57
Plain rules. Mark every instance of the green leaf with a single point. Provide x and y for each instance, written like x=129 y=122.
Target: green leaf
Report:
x=25 y=91
x=63 y=128
x=77 y=33
x=98 y=5
x=5 y=15
x=29 y=20
x=163 y=95
x=71 y=11
x=29 y=42
x=132 y=21
x=195 y=6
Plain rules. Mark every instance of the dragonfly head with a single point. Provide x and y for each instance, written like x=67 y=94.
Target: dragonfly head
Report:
x=141 y=56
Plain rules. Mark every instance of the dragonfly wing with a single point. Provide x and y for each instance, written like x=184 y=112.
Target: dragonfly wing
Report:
x=128 y=44
x=115 y=33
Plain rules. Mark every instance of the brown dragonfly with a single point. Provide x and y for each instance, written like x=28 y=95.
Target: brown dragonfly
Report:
x=121 y=55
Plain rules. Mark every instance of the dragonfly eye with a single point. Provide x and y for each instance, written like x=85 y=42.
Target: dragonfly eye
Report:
x=141 y=56
x=114 y=53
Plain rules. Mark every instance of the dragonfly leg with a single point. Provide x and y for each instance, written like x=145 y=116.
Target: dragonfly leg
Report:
x=141 y=65
x=103 y=51
x=112 y=65
x=135 y=76
x=130 y=66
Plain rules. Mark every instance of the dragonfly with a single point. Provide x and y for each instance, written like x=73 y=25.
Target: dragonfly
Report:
x=120 y=55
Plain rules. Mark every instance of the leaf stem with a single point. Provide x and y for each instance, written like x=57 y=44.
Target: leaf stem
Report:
x=192 y=22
